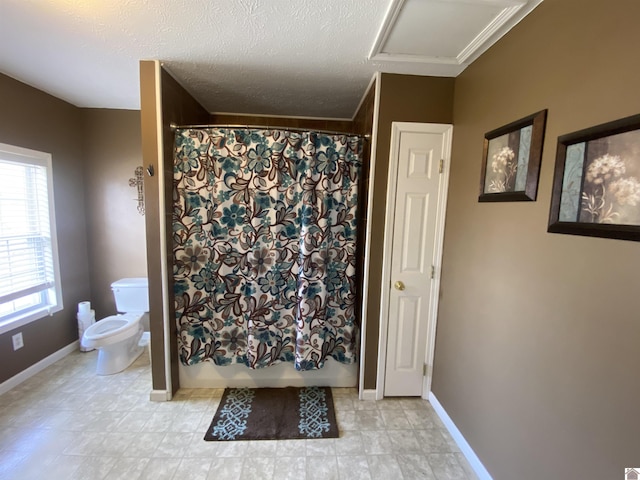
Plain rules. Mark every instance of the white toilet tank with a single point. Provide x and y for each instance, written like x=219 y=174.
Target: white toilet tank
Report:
x=131 y=294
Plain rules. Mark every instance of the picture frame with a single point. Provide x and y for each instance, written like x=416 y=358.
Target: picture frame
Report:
x=596 y=184
x=511 y=160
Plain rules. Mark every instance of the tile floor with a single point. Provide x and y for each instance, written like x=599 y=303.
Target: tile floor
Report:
x=67 y=423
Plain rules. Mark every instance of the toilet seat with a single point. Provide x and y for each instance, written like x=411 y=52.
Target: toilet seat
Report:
x=112 y=329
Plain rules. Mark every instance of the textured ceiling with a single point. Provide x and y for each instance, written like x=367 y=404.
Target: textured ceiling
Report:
x=275 y=57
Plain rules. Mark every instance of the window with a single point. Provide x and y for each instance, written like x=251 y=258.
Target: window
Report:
x=29 y=271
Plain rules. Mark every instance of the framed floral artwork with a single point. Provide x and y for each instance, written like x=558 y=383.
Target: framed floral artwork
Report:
x=596 y=186
x=511 y=160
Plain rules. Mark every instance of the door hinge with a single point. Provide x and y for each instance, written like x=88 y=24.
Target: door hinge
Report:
x=433 y=272
x=441 y=165
x=424 y=370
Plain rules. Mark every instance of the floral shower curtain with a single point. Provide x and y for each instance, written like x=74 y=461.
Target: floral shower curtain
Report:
x=264 y=230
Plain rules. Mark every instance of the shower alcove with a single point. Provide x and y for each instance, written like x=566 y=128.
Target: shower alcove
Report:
x=165 y=104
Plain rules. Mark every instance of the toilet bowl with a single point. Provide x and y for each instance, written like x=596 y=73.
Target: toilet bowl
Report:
x=118 y=337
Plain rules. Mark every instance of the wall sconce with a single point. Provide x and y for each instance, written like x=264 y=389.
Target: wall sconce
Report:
x=138 y=182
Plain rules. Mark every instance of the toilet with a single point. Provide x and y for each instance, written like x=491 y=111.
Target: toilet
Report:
x=119 y=338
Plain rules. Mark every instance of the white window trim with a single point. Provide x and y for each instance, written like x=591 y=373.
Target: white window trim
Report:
x=34 y=157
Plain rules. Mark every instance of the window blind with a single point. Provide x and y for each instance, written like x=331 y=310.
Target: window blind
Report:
x=26 y=259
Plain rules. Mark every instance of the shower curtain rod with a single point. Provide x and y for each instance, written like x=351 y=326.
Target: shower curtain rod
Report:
x=175 y=127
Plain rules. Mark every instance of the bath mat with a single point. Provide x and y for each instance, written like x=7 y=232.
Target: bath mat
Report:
x=274 y=413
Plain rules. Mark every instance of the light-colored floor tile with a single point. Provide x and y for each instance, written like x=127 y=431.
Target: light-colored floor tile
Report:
x=193 y=469
x=320 y=447
x=263 y=448
x=205 y=423
x=322 y=468
x=106 y=402
x=133 y=421
x=159 y=422
x=85 y=443
x=369 y=420
x=57 y=467
x=127 y=469
x=415 y=466
x=199 y=448
x=160 y=469
x=232 y=449
x=415 y=404
x=116 y=444
x=353 y=467
x=207 y=392
x=47 y=431
x=384 y=467
x=38 y=442
x=200 y=404
x=445 y=466
x=365 y=405
x=95 y=468
x=9 y=437
x=420 y=419
x=12 y=464
x=349 y=443
x=453 y=446
x=403 y=441
x=395 y=420
x=82 y=421
x=343 y=403
x=258 y=467
x=389 y=404
x=186 y=422
x=58 y=420
x=376 y=442
x=106 y=422
x=290 y=448
x=144 y=444
x=225 y=469
x=173 y=445
x=290 y=468
x=466 y=466
x=347 y=420
x=432 y=441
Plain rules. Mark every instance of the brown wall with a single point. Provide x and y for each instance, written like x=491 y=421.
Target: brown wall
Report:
x=115 y=229
x=288 y=122
x=538 y=340
x=403 y=98
x=33 y=119
x=180 y=108
x=177 y=106
x=149 y=134
x=363 y=125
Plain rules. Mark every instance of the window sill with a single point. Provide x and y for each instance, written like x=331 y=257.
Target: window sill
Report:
x=22 y=320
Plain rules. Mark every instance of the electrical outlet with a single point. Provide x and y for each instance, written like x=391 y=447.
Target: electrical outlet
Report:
x=17 y=341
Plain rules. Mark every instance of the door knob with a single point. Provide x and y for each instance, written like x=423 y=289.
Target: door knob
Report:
x=399 y=285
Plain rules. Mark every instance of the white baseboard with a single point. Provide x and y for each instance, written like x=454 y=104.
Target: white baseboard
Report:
x=465 y=448
x=369 y=395
x=38 y=367
x=160 y=395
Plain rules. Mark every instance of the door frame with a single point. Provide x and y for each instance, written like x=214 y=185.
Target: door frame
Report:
x=396 y=129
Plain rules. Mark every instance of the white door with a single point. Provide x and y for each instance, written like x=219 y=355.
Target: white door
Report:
x=413 y=233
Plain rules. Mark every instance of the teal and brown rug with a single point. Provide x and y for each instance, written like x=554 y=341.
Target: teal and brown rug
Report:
x=274 y=413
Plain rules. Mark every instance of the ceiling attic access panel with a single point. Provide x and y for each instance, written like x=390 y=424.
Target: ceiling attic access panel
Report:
x=445 y=32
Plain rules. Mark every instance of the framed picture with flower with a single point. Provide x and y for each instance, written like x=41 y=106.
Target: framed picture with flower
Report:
x=511 y=160
x=596 y=185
